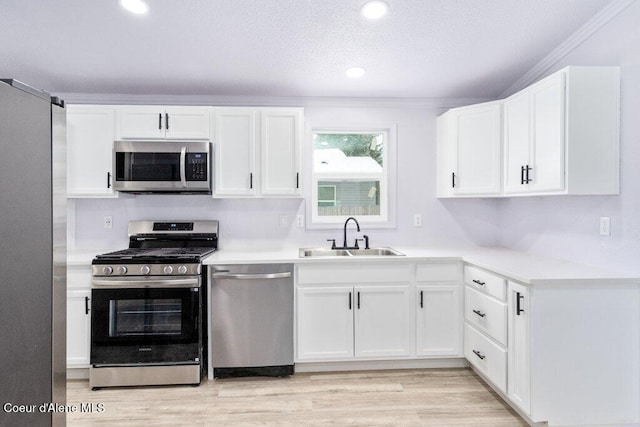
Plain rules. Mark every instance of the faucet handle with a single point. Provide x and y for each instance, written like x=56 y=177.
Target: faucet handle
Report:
x=366 y=241
x=333 y=243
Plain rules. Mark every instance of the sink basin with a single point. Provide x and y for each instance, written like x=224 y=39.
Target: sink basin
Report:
x=306 y=252
x=312 y=253
x=375 y=252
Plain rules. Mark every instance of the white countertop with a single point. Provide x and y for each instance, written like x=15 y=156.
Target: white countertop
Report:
x=519 y=266
x=522 y=267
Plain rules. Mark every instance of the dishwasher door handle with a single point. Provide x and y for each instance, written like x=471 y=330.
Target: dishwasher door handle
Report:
x=250 y=276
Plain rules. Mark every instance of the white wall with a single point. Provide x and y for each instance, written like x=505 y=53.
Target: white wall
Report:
x=567 y=227
x=254 y=223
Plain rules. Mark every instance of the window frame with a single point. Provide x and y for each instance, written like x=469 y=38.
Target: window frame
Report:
x=388 y=181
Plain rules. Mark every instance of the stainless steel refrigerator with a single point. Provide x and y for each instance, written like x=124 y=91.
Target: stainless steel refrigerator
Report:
x=32 y=256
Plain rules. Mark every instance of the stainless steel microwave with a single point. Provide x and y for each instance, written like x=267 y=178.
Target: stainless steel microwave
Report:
x=162 y=167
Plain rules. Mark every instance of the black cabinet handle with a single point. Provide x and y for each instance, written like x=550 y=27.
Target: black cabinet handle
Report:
x=521 y=175
x=480 y=355
x=479 y=313
x=86 y=305
x=166 y=121
x=421 y=299
x=478 y=282
x=297 y=179
x=160 y=121
x=519 y=297
x=358 y=300
x=349 y=300
x=108 y=179
x=527 y=170
x=251 y=180
x=453 y=180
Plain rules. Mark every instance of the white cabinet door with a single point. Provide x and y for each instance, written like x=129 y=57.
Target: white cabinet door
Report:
x=446 y=154
x=517 y=136
x=479 y=149
x=159 y=122
x=439 y=320
x=325 y=323
x=534 y=138
x=235 y=145
x=281 y=140
x=547 y=153
x=90 y=136
x=383 y=321
x=187 y=122
x=519 y=374
x=141 y=122
x=78 y=328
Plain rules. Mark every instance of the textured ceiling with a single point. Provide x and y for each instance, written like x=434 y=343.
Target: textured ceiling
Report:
x=422 y=48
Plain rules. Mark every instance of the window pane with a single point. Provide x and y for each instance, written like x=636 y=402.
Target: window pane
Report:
x=351 y=198
x=368 y=147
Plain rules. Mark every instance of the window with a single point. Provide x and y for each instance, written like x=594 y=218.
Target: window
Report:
x=350 y=176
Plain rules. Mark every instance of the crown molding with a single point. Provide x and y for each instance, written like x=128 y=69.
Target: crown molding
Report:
x=592 y=26
x=261 y=101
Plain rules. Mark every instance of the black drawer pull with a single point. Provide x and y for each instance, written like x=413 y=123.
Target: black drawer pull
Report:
x=480 y=355
x=421 y=299
x=479 y=313
x=86 y=305
x=519 y=297
x=349 y=300
x=478 y=282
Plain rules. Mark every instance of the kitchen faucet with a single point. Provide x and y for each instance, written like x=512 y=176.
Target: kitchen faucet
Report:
x=344 y=243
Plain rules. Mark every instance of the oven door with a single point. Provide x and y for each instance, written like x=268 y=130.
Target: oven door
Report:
x=145 y=167
x=146 y=325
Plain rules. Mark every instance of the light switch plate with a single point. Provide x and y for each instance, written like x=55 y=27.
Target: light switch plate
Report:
x=284 y=221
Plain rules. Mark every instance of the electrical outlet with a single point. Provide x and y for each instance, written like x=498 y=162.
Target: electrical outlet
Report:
x=300 y=221
x=605 y=226
x=417 y=220
x=284 y=221
x=108 y=221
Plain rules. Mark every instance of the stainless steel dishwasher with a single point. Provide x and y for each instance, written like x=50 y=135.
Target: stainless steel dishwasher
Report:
x=252 y=320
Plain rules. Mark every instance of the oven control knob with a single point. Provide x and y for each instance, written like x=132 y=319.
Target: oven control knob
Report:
x=182 y=269
x=168 y=269
x=145 y=269
x=107 y=270
x=122 y=270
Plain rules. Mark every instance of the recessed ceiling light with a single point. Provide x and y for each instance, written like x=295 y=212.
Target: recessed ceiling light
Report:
x=374 y=9
x=139 y=7
x=355 y=72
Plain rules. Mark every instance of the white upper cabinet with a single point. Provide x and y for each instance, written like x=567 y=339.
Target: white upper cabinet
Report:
x=244 y=135
x=558 y=136
x=281 y=140
x=159 y=122
x=235 y=152
x=561 y=135
x=90 y=135
x=469 y=151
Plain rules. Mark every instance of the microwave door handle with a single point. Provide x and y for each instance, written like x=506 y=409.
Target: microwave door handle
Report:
x=183 y=172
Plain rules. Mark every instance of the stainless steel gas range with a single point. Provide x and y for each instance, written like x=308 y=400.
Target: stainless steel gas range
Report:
x=148 y=322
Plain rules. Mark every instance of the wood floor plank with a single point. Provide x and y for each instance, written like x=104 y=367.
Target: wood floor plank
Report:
x=414 y=397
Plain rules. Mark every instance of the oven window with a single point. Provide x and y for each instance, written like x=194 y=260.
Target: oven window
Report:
x=136 y=317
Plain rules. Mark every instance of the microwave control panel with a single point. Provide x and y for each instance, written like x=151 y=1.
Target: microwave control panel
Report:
x=196 y=169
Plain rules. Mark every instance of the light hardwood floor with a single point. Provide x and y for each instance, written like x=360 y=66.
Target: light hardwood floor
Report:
x=416 y=397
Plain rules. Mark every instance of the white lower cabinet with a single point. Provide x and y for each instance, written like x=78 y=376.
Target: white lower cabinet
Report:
x=487 y=356
x=439 y=320
x=360 y=321
x=519 y=352
x=78 y=328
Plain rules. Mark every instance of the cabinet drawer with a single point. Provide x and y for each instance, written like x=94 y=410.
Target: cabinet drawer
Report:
x=342 y=272
x=444 y=272
x=486 y=314
x=485 y=282
x=489 y=358
x=79 y=276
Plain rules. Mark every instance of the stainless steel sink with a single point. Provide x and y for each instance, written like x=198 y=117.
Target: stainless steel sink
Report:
x=312 y=253
x=375 y=252
x=306 y=252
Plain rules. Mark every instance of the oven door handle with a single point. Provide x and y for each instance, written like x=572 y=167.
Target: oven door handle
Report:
x=167 y=283
x=251 y=276
x=183 y=168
